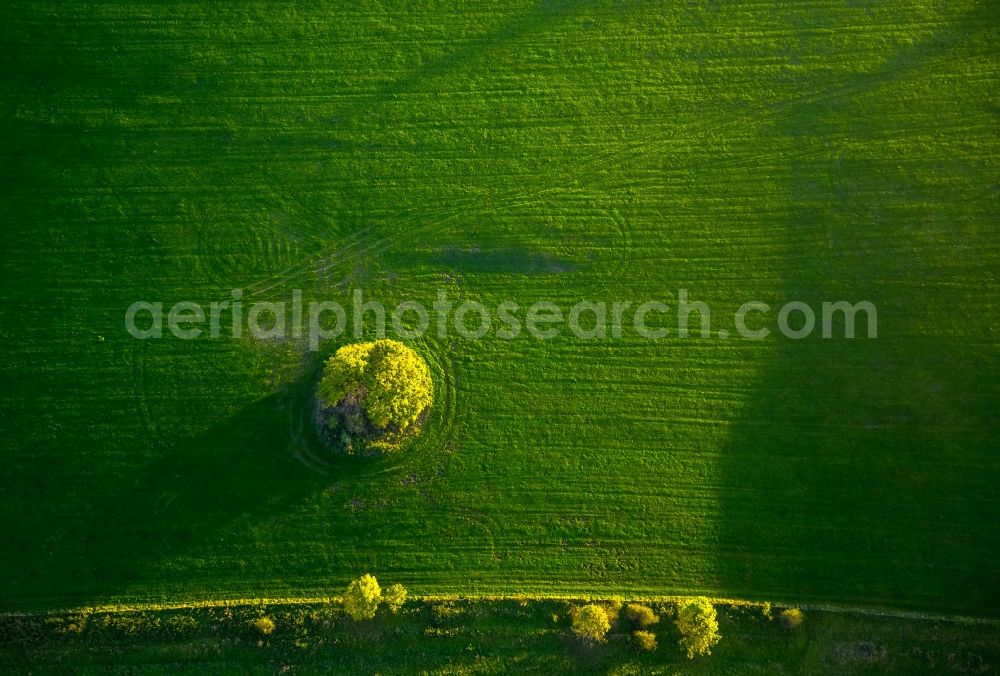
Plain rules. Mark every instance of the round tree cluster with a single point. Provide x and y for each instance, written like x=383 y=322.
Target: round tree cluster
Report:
x=375 y=395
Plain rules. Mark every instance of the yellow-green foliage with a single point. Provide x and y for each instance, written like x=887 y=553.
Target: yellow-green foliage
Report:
x=130 y=623
x=791 y=618
x=640 y=616
x=74 y=623
x=612 y=606
x=394 y=597
x=439 y=631
x=344 y=372
x=265 y=625
x=180 y=623
x=699 y=626
x=442 y=613
x=645 y=640
x=362 y=597
x=591 y=622
x=387 y=380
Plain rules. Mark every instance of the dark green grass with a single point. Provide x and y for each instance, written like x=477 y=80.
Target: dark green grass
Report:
x=524 y=151
x=480 y=637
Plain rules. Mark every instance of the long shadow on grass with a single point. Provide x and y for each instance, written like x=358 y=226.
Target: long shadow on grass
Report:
x=194 y=502
x=864 y=471
x=214 y=516
x=211 y=517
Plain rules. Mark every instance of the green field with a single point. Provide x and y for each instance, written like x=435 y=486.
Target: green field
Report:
x=524 y=151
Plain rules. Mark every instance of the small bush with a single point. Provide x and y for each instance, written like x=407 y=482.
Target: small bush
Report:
x=791 y=618
x=591 y=623
x=265 y=625
x=394 y=597
x=640 y=616
x=362 y=598
x=441 y=632
x=444 y=612
x=644 y=640
x=699 y=626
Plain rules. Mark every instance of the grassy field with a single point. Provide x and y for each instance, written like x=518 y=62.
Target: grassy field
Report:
x=524 y=151
x=462 y=637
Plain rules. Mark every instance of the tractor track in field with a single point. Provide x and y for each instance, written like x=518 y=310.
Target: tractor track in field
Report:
x=437 y=436
x=140 y=387
x=356 y=247
x=372 y=240
x=218 y=263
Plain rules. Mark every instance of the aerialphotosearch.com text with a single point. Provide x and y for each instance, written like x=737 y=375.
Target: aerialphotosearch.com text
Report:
x=320 y=321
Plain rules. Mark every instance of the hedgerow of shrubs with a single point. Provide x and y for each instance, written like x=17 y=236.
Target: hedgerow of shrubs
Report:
x=299 y=626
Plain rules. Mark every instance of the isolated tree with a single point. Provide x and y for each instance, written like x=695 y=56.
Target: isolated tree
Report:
x=644 y=640
x=591 y=623
x=699 y=626
x=375 y=394
x=362 y=597
x=791 y=618
x=640 y=616
x=394 y=597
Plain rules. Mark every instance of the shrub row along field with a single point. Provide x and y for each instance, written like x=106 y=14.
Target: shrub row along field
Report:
x=504 y=150
x=460 y=636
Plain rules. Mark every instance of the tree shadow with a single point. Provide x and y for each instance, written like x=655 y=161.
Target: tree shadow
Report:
x=191 y=502
x=864 y=471
x=178 y=524
x=214 y=513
